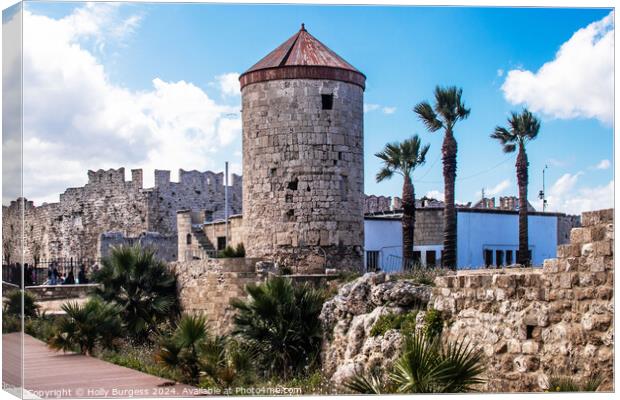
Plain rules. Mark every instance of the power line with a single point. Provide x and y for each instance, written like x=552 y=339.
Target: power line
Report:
x=468 y=176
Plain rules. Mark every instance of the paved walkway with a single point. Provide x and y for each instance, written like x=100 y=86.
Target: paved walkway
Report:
x=51 y=374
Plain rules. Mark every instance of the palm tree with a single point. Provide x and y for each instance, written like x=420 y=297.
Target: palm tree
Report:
x=85 y=326
x=141 y=284
x=522 y=129
x=445 y=113
x=403 y=158
x=280 y=323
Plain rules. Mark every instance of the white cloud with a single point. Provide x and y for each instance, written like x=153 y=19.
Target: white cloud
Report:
x=579 y=82
x=500 y=72
x=76 y=119
x=435 y=194
x=229 y=84
x=495 y=190
x=370 y=107
x=604 y=164
x=565 y=197
x=389 y=110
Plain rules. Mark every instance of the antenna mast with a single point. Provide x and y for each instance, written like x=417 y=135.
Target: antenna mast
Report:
x=541 y=194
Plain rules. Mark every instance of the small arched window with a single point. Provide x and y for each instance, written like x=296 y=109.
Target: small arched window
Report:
x=189 y=238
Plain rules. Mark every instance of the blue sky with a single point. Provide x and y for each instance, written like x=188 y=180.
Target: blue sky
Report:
x=190 y=49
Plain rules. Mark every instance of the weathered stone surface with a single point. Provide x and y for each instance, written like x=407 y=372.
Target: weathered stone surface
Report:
x=72 y=227
x=303 y=179
x=348 y=318
x=558 y=319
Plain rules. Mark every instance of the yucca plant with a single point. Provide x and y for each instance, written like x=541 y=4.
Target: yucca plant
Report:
x=280 y=322
x=143 y=287
x=83 y=327
x=427 y=366
x=13 y=304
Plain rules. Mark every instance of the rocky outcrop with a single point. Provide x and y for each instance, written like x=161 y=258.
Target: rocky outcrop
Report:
x=349 y=317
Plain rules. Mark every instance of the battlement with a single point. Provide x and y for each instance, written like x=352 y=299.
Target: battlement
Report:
x=110 y=176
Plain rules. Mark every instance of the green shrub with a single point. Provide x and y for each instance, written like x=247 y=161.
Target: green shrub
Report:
x=11 y=323
x=13 y=304
x=403 y=322
x=280 y=323
x=561 y=383
x=433 y=323
x=230 y=252
x=426 y=366
x=192 y=353
x=422 y=275
x=41 y=327
x=86 y=326
x=143 y=286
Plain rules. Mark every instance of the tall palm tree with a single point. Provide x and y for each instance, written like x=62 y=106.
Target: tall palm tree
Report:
x=402 y=159
x=522 y=128
x=444 y=114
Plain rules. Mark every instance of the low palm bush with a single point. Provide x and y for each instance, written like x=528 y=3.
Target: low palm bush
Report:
x=427 y=366
x=192 y=352
x=13 y=304
x=280 y=323
x=83 y=327
x=143 y=287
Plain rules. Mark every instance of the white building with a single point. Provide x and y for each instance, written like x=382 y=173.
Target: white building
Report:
x=485 y=237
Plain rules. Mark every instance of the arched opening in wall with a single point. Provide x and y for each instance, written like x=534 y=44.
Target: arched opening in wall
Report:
x=188 y=238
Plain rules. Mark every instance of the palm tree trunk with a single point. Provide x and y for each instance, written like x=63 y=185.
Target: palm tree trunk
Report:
x=522 y=178
x=448 y=150
x=408 y=221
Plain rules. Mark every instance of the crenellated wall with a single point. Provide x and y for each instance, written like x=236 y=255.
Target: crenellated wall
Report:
x=536 y=322
x=72 y=227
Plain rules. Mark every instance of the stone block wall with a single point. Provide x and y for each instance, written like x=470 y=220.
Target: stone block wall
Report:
x=165 y=247
x=533 y=323
x=428 y=226
x=207 y=286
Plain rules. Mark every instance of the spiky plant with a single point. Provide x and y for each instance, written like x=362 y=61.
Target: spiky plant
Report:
x=182 y=350
x=280 y=322
x=428 y=366
x=13 y=304
x=402 y=159
x=564 y=383
x=142 y=285
x=447 y=110
x=83 y=327
x=195 y=353
x=522 y=128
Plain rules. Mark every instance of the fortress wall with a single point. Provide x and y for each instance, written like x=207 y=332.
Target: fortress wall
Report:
x=533 y=323
x=72 y=227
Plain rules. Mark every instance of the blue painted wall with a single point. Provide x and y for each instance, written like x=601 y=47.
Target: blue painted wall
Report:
x=479 y=231
x=476 y=232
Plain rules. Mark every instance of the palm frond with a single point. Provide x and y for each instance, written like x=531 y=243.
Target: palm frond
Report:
x=428 y=116
x=361 y=384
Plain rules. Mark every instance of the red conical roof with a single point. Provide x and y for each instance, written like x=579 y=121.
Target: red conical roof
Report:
x=302 y=56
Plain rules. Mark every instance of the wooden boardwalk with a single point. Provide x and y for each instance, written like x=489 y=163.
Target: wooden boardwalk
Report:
x=50 y=374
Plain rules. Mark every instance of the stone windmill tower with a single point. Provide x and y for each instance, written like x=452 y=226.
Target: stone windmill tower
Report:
x=303 y=164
